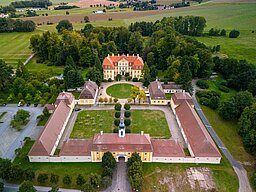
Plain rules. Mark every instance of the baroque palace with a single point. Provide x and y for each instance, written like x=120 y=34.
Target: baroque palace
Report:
x=122 y=64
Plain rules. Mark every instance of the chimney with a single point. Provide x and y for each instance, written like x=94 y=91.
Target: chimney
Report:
x=101 y=132
x=142 y=132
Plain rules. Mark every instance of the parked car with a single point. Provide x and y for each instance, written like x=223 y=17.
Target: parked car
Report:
x=3 y=105
x=19 y=104
x=28 y=104
x=77 y=109
x=36 y=104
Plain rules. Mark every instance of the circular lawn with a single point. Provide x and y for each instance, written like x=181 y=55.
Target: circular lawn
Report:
x=121 y=91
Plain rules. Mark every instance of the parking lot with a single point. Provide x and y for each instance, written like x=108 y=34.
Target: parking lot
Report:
x=10 y=138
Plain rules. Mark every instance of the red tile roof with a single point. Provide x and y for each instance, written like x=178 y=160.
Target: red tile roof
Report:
x=179 y=98
x=156 y=90
x=76 y=147
x=166 y=148
x=199 y=139
x=68 y=98
x=133 y=60
x=89 y=90
x=45 y=143
x=129 y=143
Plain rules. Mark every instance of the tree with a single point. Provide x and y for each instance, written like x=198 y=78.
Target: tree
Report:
x=106 y=181
x=64 y=24
x=234 y=33
x=115 y=100
x=135 y=44
x=85 y=57
x=86 y=19
x=141 y=95
x=108 y=160
x=185 y=77
x=67 y=180
x=21 y=70
x=107 y=171
x=5 y=168
x=146 y=75
x=5 y=74
x=127 y=114
x=80 y=180
x=127 y=122
x=22 y=116
x=27 y=186
x=87 y=187
x=223 y=32
x=135 y=92
x=29 y=174
x=54 y=178
x=42 y=178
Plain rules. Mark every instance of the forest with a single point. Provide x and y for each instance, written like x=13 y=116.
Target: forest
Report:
x=11 y=25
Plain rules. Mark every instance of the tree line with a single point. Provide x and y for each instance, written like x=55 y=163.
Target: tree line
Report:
x=11 y=25
x=163 y=49
x=31 y=3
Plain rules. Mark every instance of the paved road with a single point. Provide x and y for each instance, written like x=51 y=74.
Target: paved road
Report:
x=120 y=181
x=10 y=139
x=244 y=185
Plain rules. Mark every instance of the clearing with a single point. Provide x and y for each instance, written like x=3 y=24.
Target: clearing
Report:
x=121 y=91
x=88 y=123
x=152 y=122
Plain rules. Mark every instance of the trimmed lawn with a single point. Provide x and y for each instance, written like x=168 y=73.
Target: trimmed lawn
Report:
x=152 y=122
x=61 y=169
x=223 y=175
x=43 y=120
x=168 y=95
x=88 y=123
x=121 y=91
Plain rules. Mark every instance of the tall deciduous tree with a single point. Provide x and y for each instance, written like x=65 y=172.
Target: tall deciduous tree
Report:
x=135 y=44
x=5 y=74
x=64 y=24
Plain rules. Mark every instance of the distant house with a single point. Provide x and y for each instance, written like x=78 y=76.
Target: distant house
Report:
x=88 y=94
x=156 y=94
x=2 y=15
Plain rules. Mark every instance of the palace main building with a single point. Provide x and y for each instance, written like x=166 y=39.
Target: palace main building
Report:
x=122 y=64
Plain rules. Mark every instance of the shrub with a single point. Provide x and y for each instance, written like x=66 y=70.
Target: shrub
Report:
x=29 y=174
x=209 y=98
x=115 y=100
x=202 y=84
x=127 y=113
x=127 y=106
x=105 y=99
x=110 y=100
x=101 y=100
x=223 y=88
x=234 y=33
x=42 y=178
x=117 y=122
x=115 y=130
x=80 y=180
x=27 y=186
x=118 y=107
x=127 y=122
x=135 y=79
x=107 y=171
x=106 y=182
x=94 y=179
x=67 y=180
x=109 y=80
x=117 y=114
x=54 y=178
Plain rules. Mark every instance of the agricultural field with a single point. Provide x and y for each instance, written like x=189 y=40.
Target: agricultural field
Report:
x=151 y=122
x=88 y=123
x=60 y=169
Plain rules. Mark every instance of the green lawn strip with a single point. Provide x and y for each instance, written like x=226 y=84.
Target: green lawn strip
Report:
x=2 y=114
x=43 y=120
x=76 y=94
x=61 y=169
x=223 y=175
x=152 y=122
x=121 y=91
x=168 y=95
x=86 y=127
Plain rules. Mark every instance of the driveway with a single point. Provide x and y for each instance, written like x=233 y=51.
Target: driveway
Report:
x=10 y=139
x=120 y=181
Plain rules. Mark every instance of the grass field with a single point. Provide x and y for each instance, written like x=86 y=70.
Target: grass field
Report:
x=151 y=122
x=88 y=123
x=154 y=173
x=242 y=47
x=61 y=169
x=15 y=46
x=121 y=91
